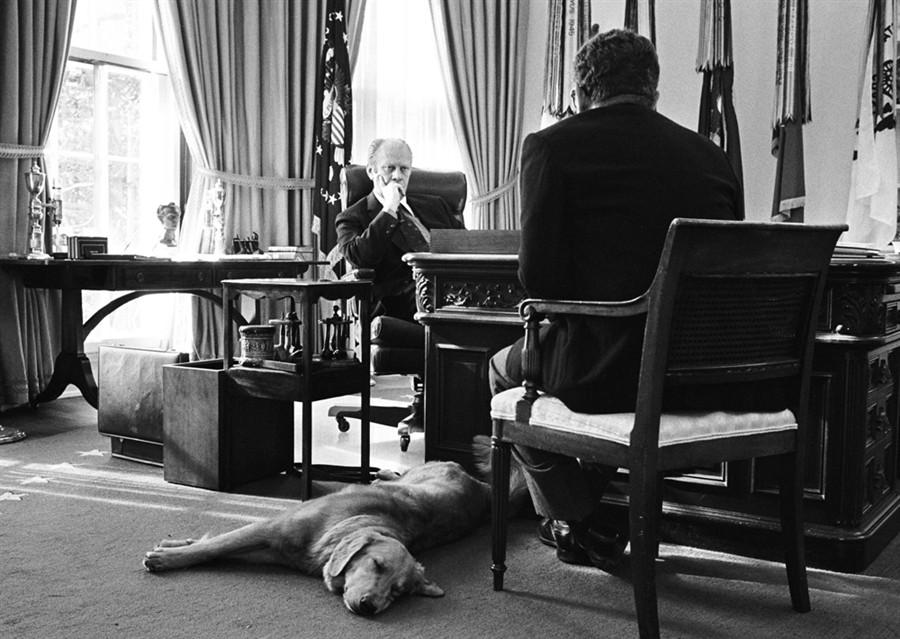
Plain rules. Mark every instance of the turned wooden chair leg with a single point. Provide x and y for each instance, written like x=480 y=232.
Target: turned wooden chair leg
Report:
x=643 y=514
x=791 y=489
x=500 y=454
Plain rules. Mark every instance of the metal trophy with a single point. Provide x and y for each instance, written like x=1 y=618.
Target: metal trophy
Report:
x=35 y=179
x=218 y=218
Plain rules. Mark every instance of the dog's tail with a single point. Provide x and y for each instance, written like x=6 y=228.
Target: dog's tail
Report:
x=519 y=499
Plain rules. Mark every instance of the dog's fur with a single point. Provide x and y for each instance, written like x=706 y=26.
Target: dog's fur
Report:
x=360 y=538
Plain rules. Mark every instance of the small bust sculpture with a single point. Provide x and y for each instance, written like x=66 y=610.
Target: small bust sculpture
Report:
x=170 y=216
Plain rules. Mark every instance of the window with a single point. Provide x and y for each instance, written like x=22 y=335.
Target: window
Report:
x=113 y=151
x=398 y=88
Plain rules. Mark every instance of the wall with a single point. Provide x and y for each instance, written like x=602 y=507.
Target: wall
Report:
x=836 y=31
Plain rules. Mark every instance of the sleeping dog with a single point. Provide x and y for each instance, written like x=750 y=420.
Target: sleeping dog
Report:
x=360 y=539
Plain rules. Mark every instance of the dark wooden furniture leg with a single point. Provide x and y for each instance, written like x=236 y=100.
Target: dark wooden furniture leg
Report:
x=500 y=454
x=72 y=365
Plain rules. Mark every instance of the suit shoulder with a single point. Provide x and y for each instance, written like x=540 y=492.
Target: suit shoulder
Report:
x=355 y=210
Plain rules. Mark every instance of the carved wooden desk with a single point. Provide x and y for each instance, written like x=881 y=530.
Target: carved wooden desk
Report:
x=140 y=277
x=852 y=509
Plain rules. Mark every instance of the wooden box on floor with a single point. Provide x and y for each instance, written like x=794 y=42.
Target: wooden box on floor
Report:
x=217 y=438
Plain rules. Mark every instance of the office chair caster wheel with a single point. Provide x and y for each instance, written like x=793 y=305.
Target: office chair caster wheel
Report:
x=342 y=424
x=404 y=443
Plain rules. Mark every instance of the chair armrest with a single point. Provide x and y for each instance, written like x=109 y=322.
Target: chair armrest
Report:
x=590 y=308
x=532 y=311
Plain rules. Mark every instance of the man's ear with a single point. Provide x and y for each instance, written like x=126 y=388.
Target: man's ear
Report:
x=424 y=587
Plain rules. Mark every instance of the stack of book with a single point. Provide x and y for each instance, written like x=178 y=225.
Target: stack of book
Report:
x=859 y=251
x=290 y=252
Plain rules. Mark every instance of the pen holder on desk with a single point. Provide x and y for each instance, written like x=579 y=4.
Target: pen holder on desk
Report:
x=288 y=345
x=337 y=334
x=257 y=344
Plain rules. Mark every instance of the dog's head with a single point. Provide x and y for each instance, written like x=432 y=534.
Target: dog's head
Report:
x=372 y=569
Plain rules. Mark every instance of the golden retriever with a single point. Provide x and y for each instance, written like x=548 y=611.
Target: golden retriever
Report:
x=360 y=538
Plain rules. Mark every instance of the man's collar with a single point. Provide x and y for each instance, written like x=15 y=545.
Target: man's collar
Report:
x=625 y=98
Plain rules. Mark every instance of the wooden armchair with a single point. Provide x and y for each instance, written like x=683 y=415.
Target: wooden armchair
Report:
x=732 y=307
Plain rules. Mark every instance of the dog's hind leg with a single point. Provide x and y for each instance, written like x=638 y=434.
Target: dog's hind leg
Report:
x=250 y=539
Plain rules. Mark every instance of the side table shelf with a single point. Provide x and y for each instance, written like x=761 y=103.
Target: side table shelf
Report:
x=317 y=378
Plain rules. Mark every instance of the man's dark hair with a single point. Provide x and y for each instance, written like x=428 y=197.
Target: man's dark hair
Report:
x=617 y=62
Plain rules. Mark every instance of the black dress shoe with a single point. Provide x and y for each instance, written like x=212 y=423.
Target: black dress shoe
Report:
x=582 y=545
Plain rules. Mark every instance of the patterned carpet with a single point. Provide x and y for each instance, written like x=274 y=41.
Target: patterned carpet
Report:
x=74 y=524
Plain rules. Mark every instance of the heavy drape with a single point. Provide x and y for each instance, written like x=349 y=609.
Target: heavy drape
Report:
x=481 y=47
x=34 y=45
x=245 y=90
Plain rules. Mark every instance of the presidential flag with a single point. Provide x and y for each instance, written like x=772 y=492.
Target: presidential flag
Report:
x=334 y=125
x=872 y=209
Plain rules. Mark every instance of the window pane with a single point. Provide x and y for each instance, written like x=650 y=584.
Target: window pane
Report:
x=123 y=190
x=116 y=26
x=76 y=108
x=398 y=89
x=125 y=91
x=113 y=151
x=77 y=185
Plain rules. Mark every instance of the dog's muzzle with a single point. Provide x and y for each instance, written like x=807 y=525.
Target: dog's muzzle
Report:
x=363 y=607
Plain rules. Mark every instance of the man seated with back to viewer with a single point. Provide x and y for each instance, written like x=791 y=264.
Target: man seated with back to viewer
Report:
x=599 y=190
x=376 y=231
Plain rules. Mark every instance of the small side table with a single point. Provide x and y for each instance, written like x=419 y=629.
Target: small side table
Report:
x=312 y=378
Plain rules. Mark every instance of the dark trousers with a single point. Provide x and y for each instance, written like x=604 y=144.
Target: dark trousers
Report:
x=561 y=487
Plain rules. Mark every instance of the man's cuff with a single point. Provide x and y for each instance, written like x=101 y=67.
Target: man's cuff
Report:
x=386 y=223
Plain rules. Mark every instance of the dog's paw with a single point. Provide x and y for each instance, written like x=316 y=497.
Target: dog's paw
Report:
x=175 y=543
x=387 y=475
x=153 y=561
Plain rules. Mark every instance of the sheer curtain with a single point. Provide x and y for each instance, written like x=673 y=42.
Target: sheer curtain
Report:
x=34 y=44
x=245 y=94
x=397 y=87
x=481 y=44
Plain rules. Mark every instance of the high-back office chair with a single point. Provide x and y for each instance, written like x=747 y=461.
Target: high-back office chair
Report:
x=398 y=346
x=733 y=306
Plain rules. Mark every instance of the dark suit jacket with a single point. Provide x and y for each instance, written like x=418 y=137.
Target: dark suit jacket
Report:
x=599 y=190
x=370 y=238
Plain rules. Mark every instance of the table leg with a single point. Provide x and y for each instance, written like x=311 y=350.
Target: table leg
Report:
x=72 y=365
x=365 y=395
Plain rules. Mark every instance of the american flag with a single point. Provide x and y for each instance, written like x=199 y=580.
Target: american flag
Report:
x=334 y=124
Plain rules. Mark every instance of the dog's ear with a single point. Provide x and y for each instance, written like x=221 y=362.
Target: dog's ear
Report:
x=344 y=551
x=424 y=587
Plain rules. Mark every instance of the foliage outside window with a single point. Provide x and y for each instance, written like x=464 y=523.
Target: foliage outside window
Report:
x=113 y=152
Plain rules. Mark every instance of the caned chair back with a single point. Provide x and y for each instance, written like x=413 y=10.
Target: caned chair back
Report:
x=732 y=303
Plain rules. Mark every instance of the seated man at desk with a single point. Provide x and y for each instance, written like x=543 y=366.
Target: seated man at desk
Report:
x=375 y=232
x=599 y=190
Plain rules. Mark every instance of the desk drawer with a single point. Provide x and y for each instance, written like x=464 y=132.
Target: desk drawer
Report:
x=176 y=276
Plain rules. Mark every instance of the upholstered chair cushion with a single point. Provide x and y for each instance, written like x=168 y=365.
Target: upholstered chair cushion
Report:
x=674 y=428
